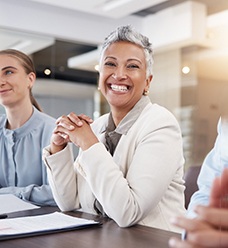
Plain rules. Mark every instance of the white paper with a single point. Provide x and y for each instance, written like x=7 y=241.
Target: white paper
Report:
x=41 y=223
x=10 y=203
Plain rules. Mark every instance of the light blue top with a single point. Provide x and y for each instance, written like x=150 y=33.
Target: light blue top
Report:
x=22 y=171
x=213 y=165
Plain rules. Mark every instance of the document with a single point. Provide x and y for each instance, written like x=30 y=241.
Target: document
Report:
x=41 y=224
x=10 y=203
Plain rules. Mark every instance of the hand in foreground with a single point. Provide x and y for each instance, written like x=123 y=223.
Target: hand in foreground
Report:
x=205 y=231
x=210 y=227
x=219 y=191
x=65 y=124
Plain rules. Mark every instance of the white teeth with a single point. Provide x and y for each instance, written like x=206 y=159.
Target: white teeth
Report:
x=119 y=88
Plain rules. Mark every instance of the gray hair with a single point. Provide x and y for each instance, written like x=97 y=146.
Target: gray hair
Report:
x=127 y=33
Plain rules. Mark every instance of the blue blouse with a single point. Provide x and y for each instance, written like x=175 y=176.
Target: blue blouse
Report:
x=22 y=171
x=214 y=164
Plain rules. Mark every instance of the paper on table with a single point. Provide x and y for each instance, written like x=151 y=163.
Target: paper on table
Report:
x=41 y=224
x=10 y=203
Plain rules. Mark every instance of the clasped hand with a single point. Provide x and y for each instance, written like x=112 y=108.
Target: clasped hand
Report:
x=72 y=128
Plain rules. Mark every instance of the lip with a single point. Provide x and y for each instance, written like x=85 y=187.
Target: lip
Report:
x=5 y=91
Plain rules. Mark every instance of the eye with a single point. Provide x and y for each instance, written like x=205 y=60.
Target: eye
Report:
x=8 y=72
x=132 y=66
x=109 y=63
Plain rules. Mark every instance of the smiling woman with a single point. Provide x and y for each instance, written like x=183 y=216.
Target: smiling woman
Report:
x=24 y=131
x=123 y=77
x=130 y=164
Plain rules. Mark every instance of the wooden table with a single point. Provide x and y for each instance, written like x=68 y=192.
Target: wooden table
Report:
x=107 y=235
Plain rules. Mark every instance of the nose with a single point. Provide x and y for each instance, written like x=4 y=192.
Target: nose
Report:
x=3 y=78
x=2 y=81
x=119 y=73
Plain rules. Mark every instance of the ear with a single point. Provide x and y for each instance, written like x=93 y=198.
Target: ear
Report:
x=148 y=81
x=31 y=79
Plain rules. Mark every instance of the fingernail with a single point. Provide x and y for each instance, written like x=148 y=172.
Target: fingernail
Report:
x=64 y=136
x=80 y=123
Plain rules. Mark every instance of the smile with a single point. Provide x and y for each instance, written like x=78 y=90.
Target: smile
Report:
x=119 y=88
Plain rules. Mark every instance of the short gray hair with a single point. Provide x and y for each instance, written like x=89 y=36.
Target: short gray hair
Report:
x=127 y=33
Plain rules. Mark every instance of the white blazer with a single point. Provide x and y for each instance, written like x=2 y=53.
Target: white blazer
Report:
x=142 y=183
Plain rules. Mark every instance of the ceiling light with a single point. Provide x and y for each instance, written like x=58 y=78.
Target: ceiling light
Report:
x=185 y=69
x=47 y=71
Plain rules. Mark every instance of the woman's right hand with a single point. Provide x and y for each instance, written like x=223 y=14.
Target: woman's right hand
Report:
x=59 y=139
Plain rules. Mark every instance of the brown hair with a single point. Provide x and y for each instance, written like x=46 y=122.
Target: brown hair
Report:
x=28 y=65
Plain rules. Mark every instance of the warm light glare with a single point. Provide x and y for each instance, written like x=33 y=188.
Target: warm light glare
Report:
x=218 y=19
x=96 y=67
x=185 y=69
x=47 y=72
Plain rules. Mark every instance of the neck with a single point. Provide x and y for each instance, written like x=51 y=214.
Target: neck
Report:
x=18 y=115
x=118 y=116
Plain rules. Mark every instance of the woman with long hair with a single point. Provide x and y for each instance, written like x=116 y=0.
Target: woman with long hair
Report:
x=24 y=131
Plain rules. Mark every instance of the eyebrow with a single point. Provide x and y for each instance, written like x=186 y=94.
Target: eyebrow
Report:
x=131 y=59
x=109 y=57
x=8 y=67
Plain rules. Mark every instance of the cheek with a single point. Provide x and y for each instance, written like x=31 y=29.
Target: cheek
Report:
x=139 y=79
x=102 y=79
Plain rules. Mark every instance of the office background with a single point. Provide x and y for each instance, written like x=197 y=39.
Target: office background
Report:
x=190 y=41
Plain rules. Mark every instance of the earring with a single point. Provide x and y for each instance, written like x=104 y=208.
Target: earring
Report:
x=98 y=88
x=146 y=92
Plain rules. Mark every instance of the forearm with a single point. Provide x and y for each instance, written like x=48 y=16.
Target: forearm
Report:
x=62 y=178
x=39 y=195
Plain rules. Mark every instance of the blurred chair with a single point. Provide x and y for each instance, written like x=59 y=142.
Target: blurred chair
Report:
x=190 y=178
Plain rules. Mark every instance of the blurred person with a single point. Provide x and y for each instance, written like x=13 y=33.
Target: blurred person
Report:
x=210 y=227
x=213 y=165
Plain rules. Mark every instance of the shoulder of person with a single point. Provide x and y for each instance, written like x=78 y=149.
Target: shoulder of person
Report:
x=100 y=123
x=156 y=112
x=2 y=120
x=46 y=119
